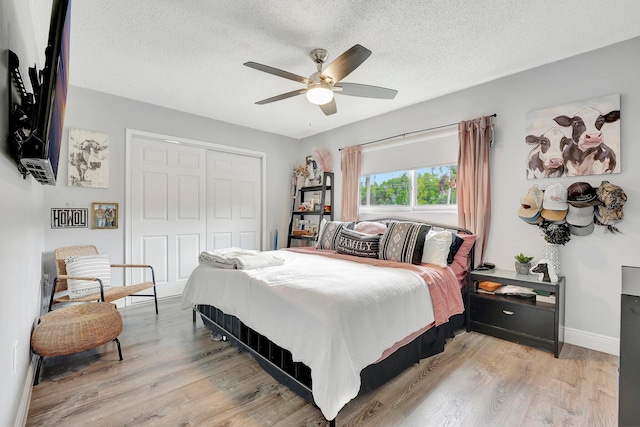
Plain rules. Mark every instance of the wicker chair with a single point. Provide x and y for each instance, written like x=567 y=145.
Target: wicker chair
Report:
x=74 y=329
x=108 y=295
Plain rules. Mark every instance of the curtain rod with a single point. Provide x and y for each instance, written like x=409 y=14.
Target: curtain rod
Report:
x=410 y=133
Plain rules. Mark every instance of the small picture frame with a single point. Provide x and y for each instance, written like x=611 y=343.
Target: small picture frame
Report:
x=104 y=215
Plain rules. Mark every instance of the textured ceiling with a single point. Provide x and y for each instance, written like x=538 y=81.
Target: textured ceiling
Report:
x=188 y=55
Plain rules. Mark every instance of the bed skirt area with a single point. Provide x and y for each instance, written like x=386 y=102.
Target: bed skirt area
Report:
x=297 y=376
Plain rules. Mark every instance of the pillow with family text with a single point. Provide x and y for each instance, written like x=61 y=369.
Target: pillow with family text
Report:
x=353 y=242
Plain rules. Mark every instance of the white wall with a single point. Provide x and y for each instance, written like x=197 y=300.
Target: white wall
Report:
x=88 y=109
x=21 y=235
x=592 y=263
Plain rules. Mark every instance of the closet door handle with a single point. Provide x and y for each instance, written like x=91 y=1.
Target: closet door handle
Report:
x=507 y=312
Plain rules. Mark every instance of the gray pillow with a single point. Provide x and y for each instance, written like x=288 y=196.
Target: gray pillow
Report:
x=328 y=234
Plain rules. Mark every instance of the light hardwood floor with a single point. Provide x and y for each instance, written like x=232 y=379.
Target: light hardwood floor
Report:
x=174 y=375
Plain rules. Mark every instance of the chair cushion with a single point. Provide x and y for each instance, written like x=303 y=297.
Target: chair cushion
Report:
x=87 y=266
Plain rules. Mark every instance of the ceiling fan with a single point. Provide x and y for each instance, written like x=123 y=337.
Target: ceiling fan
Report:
x=321 y=85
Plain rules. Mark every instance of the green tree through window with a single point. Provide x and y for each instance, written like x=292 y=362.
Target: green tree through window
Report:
x=436 y=186
x=433 y=186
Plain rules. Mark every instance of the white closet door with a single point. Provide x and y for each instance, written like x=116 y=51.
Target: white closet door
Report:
x=168 y=210
x=234 y=201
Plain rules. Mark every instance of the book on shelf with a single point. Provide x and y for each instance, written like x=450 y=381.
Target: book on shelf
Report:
x=544 y=296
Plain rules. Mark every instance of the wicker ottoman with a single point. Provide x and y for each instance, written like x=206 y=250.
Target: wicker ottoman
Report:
x=74 y=329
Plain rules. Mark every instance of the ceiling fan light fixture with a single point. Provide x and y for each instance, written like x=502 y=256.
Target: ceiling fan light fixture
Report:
x=319 y=93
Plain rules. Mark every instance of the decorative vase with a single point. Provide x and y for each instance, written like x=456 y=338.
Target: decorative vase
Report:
x=522 y=267
x=551 y=252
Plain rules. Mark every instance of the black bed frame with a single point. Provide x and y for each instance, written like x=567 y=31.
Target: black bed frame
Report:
x=279 y=363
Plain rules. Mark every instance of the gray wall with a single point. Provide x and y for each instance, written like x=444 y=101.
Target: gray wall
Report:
x=27 y=241
x=88 y=109
x=21 y=232
x=592 y=263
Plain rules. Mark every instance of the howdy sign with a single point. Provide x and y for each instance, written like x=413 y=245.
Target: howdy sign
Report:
x=69 y=218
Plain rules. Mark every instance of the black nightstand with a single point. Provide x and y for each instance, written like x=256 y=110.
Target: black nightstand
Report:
x=521 y=320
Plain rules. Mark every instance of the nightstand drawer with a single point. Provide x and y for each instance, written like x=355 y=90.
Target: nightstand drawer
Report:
x=525 y=319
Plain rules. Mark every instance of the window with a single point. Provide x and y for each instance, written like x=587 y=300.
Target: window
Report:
x=436 y=185
x=407 y=174
x=386 y=189
x=418 y=188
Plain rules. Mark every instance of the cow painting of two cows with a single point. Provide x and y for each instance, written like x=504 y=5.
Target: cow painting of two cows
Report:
x=577 y=139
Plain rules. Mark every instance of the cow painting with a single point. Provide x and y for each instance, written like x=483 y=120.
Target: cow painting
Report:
x=88 y=159
x=588 y=152
x=576 y=139
x=545 y=158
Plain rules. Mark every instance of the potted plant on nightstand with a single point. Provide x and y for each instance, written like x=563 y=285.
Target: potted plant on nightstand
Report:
x=523 y=263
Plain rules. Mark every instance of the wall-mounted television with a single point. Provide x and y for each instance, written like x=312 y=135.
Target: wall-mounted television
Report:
x=39 y=151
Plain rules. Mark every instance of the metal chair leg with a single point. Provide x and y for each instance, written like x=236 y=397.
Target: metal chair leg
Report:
x=119 y=349
x=155 y=297
x=36 y=380
x=153 y=279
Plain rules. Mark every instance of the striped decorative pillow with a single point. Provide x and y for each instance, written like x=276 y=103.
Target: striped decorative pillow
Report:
x=403 y=242
x=328 y=235
x=87 y=266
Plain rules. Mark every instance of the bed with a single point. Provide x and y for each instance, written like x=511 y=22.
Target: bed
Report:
x=332 y=322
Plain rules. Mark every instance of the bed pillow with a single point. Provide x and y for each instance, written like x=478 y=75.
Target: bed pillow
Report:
x=403 y=242
x=461 y=259
x=353 y=242
x=87 y=266
x=370 y=227
x=328 y=234
x=455 y=246
x=436 y=248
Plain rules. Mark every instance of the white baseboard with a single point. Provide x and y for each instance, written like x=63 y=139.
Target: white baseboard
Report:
x=25 y=400
x=593 y=341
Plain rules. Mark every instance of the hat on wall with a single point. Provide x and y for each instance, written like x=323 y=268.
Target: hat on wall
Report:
x=612 y=199
x=581 y=194
x=580 y=216
x=555 y=198
x=531 y=204
x=554 y=205
x=578 y=230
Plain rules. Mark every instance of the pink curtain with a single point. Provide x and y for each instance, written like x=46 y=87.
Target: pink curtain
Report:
x=351 y=166
x=473 y=183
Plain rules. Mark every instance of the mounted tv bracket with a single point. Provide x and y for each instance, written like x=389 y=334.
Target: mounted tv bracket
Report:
x=22 y=109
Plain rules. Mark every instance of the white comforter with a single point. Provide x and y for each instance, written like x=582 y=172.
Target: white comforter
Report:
x=337 y=327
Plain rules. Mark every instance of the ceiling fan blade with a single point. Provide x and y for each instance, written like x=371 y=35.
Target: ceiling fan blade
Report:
x=281 y=97
x=329 y=108
x=346 y=63
x=277 y=72
x=366 y=91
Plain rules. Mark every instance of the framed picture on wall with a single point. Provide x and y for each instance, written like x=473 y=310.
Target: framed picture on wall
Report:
x=104 y=215
x=576 y=139
x=88 y=159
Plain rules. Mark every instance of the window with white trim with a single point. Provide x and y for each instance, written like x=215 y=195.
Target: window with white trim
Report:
x=416 y=173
